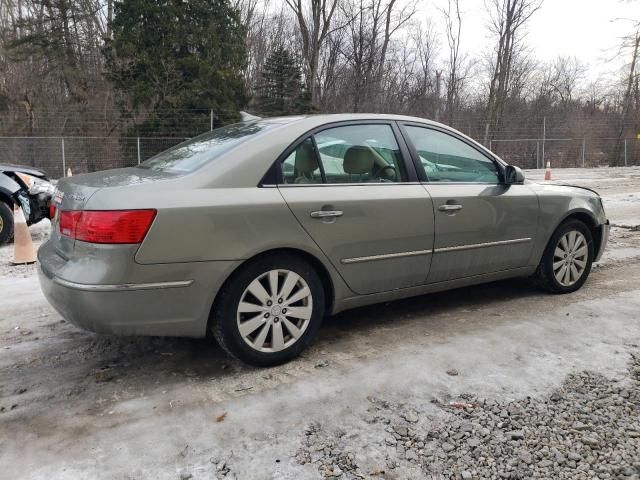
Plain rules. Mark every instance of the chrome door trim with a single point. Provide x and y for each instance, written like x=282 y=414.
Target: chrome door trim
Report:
x=450 y=208
x=481 y=245
x=121 y=286
x=371 y=258
x=326 y=214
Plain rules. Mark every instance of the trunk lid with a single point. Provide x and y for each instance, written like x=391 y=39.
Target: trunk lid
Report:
x=73 y=193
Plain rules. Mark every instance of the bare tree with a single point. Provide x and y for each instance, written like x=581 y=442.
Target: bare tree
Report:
x=508 y=17
x=453 y=28
x=315 y=25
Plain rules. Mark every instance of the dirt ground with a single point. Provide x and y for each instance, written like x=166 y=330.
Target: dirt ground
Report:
x=493 y=381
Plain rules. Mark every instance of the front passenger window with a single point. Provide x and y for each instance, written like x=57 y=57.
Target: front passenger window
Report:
x=445 y=158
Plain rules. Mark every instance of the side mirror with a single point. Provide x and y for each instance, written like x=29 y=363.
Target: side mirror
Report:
x=513 y=175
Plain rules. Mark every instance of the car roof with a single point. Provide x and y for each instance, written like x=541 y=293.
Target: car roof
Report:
x=324 y=118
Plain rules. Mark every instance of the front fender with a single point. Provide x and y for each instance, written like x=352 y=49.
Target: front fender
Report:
x=557 y=204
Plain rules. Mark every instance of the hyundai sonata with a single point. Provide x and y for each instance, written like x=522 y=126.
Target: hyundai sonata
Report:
x=253 y=232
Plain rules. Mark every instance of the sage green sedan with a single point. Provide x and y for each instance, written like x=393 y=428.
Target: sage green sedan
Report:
x=253 y=232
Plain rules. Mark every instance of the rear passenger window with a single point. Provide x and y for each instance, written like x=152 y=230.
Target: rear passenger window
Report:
x=360 y=154
x=349 y=154
x=302 y=166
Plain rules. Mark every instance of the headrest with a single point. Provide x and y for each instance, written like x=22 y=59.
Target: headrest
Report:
x=306 y=159
x=358 y=159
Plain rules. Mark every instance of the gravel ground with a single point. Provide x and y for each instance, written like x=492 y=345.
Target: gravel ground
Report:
x=587 y=428
x=493 y=381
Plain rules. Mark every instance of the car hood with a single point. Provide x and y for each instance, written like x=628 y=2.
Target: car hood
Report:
x=34 y=172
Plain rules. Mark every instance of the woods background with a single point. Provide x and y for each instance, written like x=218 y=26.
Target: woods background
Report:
x=98 y=84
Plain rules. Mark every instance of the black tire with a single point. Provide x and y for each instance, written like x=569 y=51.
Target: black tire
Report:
x=223 y=322
x=6 y=223
x=544 y=275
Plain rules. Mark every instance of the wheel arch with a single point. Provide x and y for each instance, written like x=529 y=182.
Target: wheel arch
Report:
x=320 y=268
x=588 y=218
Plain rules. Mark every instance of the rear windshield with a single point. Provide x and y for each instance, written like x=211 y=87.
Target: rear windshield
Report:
x=195 y=152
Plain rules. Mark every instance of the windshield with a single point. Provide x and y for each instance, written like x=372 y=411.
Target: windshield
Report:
x=192 y=154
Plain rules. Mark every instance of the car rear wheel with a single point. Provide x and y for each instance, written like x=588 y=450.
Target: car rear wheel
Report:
x=567 y=260
x=6 y=223
x=269 y=311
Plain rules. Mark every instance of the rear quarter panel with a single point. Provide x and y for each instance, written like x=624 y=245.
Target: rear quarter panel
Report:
x=214 y=224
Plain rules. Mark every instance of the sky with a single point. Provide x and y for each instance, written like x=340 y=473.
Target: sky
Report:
x=587 y=29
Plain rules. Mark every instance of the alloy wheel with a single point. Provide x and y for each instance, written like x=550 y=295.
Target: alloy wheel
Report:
x=570 y=258
x=274 y=310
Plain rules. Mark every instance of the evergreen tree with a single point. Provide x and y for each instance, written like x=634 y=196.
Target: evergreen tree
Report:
x=178 y=55
x=281 y=90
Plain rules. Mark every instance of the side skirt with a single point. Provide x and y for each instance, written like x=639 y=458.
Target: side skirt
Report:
x=362 y=300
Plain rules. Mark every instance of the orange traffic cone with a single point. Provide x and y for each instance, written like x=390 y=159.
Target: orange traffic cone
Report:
x=547 y=172
x=23 y=249
x=69 y=174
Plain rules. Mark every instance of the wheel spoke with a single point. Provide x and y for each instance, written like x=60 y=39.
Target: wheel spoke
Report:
x=273 y=282
x=574 y=274
x=579 y=241
x=561 y=272
x=250 y=326
x=572 y=240
x=567 y=276
x=246 y=307
x=559 y=253
x=290 y=281
x=293 y=330
x=580 y=263
x=303 y=313
x=558 y=264
x=262 y=336
x=563 y=244
x=581 y=252
x=277 y=338
x=299 y=295
x=258 y=291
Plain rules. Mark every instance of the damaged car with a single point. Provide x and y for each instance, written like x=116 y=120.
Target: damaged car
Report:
x=28 y=187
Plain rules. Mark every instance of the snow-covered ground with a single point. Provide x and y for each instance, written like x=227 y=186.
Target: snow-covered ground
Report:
x=370 y=399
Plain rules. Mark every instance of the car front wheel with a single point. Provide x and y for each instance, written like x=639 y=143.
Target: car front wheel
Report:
x=6 y=223
x=567 y=260
x=269 y=311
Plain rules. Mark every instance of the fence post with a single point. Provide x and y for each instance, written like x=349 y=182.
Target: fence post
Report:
x=490 y=142
x=537 y=154
x=211 y=119
x=138 y=146
x=625 y=152
x=544 y=137
x=584 y=147
x=64 y=160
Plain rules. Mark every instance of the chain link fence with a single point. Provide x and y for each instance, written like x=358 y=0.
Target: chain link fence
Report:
x=533 y=153
x=55 y=155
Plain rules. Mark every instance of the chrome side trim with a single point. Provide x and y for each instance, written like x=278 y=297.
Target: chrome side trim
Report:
x=385 y=256
x=122 y=286
x=481 y=245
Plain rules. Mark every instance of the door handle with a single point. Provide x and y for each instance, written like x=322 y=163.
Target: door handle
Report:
x=326 y=213
x=449 y=208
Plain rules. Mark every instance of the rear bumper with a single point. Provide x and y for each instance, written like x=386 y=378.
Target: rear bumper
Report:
x=160 y=304
x=604 y=238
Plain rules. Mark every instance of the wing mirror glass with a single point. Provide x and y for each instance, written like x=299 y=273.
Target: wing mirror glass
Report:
x=513 y=175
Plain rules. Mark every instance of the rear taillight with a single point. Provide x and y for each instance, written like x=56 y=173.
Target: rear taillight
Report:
x=52 y=210
x=106 y=226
